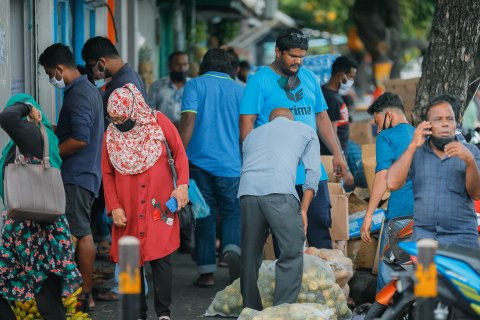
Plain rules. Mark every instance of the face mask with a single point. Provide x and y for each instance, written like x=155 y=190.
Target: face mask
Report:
x=441 y=142
x=60 y=84
x=178 y=76
x=385 y=121
x=126 y=126
x=99 y=83
x=344 y=87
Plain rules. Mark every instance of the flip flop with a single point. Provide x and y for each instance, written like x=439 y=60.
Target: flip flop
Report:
x=199 y=284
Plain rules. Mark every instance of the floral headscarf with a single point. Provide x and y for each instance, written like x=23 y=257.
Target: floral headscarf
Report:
x=137 y=150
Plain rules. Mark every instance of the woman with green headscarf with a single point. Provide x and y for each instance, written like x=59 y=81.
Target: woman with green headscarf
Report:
x=36 y=259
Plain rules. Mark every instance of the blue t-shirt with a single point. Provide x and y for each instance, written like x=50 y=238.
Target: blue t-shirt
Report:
x=81 y=118
x=215 y=143
x=390 y=145
x=263 y=94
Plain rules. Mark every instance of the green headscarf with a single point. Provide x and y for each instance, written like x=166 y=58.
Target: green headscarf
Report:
x=54 y=155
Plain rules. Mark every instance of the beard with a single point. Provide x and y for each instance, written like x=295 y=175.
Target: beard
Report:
x=284 y=68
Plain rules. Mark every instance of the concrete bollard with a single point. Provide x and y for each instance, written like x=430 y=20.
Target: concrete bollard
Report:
x=426 y=276
x=129 y=285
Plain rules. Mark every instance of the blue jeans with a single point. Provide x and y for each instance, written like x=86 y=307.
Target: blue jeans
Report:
x=384 y=271
x=220 y=193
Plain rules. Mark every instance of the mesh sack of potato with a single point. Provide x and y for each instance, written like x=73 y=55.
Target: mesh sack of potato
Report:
x=342 y=266
x=296 y=311
x=318 y=286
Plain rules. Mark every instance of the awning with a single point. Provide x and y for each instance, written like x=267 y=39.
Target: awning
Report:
x=230 y=9
x=257 y=33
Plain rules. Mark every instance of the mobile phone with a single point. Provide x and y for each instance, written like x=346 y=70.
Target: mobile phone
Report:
x=171 y=204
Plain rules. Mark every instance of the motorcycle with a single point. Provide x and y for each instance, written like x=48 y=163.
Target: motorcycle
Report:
x=458 y=285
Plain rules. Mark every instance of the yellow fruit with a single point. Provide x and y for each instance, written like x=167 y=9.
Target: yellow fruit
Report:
x=18 y=304
x=22 y=314
x=226 y=309
x=77 y=292
x=70 y=301
x=313 y=286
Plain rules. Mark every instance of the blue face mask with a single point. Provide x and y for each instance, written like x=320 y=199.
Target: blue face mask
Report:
x=99 y=83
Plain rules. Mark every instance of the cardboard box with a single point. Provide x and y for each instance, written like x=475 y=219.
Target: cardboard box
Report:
x=356 y=204
x=339 y=201
x=362 y=254
x=406 y=89
x=361 y=132
x=327 y=162
x=369 y=156
x=268 y=252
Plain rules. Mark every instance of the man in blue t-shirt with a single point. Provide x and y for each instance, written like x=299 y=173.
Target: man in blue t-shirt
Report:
x=285 y=84
x=80 y=134
x=395 y=134
x=210 y=134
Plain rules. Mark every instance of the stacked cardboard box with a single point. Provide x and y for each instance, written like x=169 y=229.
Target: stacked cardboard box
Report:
x=406 y=89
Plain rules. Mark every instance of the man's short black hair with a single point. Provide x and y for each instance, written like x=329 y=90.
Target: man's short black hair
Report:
x=55 y=55
x=98 y=47
x=385 y=101
x=216 y=60
x=444 y=98
x=343 y=64
x=174 y=54
x=291 y=38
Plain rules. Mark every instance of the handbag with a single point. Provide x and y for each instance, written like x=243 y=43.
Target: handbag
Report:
x=185 y=215
x=34 y=191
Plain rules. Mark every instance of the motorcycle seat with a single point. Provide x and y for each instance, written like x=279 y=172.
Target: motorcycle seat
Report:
x=470 y=256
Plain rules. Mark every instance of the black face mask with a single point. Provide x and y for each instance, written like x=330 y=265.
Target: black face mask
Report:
x=126 y=126
x=178 y=76
x=291 y=82
x=441 y=142
x=385 y=120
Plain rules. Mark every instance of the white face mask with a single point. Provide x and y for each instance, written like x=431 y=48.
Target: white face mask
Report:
x=344 y=87
x=60 y=84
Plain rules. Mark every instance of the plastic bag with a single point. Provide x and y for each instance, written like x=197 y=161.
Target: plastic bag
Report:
x=296 y=311
x=342 y=266
x=318 y=286
x=199 y=205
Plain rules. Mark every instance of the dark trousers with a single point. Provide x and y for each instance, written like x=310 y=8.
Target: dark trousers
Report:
x=49 y=301
x=162 y=287
x=281 y=214
x=319 y=219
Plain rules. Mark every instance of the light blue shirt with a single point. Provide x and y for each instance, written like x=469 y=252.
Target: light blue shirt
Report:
x=215 y=143
x=271 y=154
x=263 y=94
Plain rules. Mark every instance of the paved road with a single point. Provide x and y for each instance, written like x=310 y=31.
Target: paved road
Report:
x=188 y=302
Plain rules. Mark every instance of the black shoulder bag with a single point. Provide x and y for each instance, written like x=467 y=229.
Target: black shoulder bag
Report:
x=185 y=215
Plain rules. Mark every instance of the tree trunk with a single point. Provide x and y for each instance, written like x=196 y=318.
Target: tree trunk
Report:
x=449 y=60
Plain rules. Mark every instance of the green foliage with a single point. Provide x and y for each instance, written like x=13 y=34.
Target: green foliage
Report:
x=334 y=16
x=325 y=15
x=417 y=17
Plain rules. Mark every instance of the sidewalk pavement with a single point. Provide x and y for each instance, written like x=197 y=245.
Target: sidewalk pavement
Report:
x=188 y=302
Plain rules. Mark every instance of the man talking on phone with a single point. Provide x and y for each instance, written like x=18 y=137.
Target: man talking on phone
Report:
x=445 y=176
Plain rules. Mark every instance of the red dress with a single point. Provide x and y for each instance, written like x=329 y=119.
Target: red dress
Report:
x=143 y=196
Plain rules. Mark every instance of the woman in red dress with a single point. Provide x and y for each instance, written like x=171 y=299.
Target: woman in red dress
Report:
x=138 y=182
